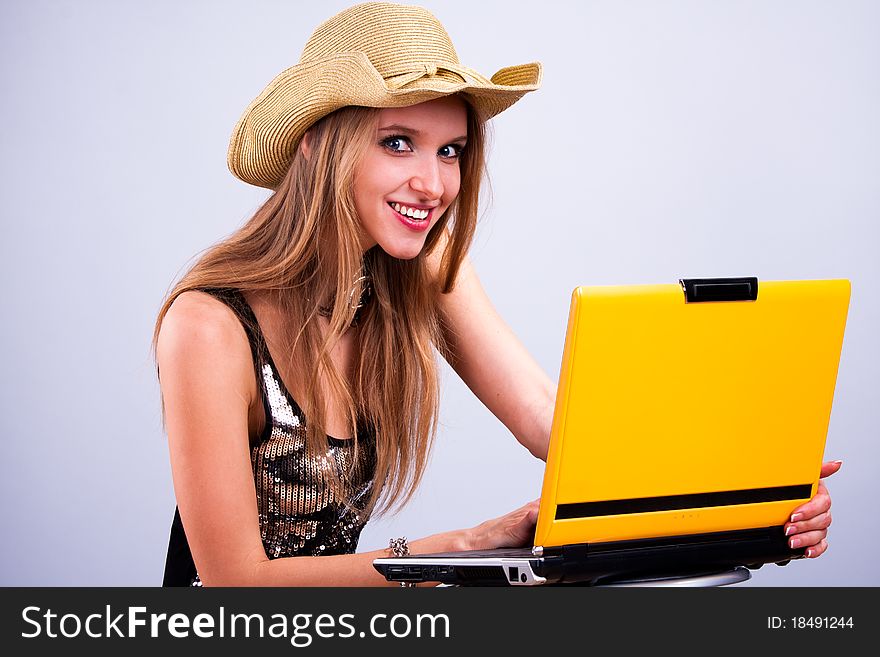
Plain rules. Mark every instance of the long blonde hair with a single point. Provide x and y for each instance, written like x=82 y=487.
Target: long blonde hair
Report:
x=302 y=246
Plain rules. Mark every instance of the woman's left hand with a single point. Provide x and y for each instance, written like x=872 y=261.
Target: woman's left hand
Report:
x=809 y=522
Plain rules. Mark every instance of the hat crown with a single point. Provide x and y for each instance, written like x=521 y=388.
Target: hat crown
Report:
x=396 y=38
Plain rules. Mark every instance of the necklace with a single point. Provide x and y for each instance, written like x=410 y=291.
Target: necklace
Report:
x=366 y=292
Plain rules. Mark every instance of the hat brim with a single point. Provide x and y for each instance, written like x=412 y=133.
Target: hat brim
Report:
x=264 y=139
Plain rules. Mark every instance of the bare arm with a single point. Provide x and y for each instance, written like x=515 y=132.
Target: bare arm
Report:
x=494 y=364
x=208 y=386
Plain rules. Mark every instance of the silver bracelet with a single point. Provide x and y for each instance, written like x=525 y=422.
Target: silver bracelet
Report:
x=400 y=548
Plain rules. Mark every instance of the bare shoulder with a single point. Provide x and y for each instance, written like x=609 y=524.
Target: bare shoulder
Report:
x=196 y=319
x=200 y=333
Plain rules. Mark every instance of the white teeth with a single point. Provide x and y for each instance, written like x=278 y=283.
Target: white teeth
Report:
x=413 y=213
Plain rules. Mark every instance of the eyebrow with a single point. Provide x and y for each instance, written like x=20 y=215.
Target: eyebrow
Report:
x=396 y=127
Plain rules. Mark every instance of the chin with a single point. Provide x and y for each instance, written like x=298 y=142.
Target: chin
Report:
x=403 y=251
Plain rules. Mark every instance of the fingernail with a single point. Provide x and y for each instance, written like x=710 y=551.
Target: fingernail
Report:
x=809 y=553
x=789 y=530
x=796 y=516
x=793 y=543
x=838 y=462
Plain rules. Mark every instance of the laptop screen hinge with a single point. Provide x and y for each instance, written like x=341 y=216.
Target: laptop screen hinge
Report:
x=697 y=290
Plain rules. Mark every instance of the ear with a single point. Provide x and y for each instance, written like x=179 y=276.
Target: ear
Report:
x=305 y=144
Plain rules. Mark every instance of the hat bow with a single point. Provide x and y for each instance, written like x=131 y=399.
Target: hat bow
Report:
x=398 y=80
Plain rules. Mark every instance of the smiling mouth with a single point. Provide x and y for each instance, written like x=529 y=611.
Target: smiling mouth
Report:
x=414 y=214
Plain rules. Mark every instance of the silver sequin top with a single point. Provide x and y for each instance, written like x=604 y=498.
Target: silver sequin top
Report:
x=298 y=511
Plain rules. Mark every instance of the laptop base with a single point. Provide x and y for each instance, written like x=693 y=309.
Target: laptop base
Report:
x=598 y=563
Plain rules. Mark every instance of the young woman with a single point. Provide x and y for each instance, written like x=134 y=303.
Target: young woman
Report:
x=296 y=358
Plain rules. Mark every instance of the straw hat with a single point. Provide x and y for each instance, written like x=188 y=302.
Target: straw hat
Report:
x=375 y=54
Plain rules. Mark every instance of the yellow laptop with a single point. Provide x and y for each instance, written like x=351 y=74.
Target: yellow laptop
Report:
x=690 y=421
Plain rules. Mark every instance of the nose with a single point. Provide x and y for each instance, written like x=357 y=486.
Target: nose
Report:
x=427 y=179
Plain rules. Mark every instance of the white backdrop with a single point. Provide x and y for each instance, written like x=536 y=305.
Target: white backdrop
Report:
x=670 y=139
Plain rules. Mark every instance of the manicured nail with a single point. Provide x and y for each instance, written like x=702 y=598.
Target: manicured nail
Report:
x=838 y=462
x=789 y=530
x=809 y=553
x=795 y=517
x=793 y=543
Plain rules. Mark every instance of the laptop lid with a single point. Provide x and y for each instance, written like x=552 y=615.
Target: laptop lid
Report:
x=693 y=408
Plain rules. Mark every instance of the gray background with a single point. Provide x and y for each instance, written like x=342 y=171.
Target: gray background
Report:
x=670 y=139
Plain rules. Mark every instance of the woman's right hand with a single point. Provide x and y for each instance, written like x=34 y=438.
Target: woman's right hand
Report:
x=514 y=529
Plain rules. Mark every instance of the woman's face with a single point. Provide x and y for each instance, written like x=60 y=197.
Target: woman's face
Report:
x=410 y=174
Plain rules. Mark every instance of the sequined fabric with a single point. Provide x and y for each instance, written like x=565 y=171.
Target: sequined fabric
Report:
x=299 y=513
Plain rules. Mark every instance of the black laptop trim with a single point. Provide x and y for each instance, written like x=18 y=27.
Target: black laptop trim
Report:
x=575 y=510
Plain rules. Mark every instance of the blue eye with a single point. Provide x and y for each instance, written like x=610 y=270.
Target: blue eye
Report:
x=396 y=144
x=451 y=151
